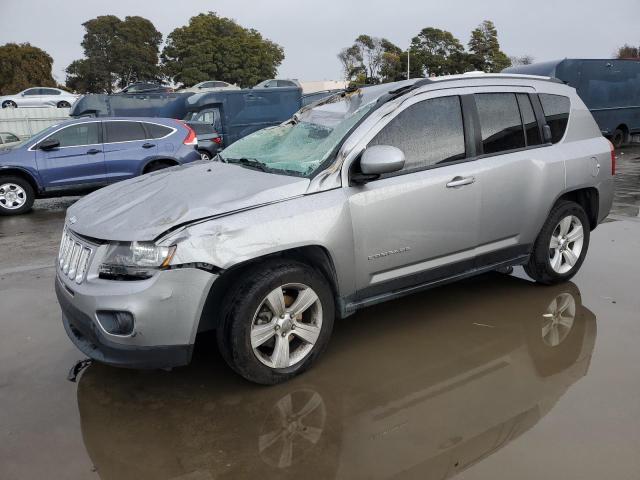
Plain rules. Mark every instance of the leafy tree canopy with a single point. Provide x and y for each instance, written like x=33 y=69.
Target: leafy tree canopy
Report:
x=628 y=52
x=117 y=52
x=438 y=52
x=371 y=60
x=23 y=66
x=485 y=49
x=211 y=47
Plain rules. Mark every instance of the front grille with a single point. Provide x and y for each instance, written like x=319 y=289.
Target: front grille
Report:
x=74 y=257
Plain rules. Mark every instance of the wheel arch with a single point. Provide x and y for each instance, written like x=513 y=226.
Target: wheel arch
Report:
x=19 y=172
x=588 y=198
x=316 y=256
x=170 y=162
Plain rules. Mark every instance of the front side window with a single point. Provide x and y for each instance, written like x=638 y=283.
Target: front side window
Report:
x=556 y=113
x=78 y=135
x=32 y=91
x=124 y=132
x=500 y=123
x=429 y=133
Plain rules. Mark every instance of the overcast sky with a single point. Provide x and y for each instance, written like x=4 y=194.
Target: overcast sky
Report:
x=312 y=32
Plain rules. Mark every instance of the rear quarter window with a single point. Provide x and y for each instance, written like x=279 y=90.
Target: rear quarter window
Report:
x=556 y=113
x=157 y=131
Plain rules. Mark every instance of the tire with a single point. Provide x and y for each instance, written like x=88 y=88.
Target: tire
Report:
x=204 y=155
x=618 y=138
x=16 y=196
x=63 y=104
x=549 y=265
x=157 y=166
x=9 y=104
x=246 y=309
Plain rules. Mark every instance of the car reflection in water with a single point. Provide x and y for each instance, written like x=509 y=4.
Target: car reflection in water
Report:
x=421 y=387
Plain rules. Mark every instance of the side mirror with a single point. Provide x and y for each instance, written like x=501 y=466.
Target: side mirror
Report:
x=378 y=160
x=546 y=132
x=49 y=144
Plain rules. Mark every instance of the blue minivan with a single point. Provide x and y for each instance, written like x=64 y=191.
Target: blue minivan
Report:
x=81 y=155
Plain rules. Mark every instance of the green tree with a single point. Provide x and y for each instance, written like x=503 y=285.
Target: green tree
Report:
x=351 y=61
x=371 y=60
x=628 y=52
x=485 y=49
x=438 y=52
x=522 y=60
x=117 y=52
x=23 y=66
x=213 y=47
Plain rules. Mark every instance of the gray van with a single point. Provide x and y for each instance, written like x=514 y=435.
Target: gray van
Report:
x=365 y=197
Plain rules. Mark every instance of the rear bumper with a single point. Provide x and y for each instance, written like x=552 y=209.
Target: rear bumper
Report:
x=89 y=339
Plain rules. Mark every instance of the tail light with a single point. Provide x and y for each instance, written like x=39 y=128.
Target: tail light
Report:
x=613 y=159
x=191 y=138
x=217 y=141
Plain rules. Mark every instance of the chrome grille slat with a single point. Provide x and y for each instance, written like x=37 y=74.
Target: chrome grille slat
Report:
x=73 y=257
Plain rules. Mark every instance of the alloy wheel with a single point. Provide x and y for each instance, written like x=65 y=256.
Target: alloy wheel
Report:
x=286 y=325
x=566 y=244
x=559 y=319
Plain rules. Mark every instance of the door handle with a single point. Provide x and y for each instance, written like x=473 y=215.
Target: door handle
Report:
x=460 y=181
x=148 y=145
x=93 y=151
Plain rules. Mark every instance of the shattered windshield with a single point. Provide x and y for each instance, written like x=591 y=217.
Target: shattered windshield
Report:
x=299 y=147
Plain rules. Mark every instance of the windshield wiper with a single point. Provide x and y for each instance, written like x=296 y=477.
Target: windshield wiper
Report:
x=248 y=162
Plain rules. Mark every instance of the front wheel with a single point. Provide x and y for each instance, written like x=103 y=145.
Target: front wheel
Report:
x=276 y=322
x=16 y=196
x=561 y=246
x=9 y=104
x=204 y=155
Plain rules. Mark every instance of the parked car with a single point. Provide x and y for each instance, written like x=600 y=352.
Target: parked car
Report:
x=209 y=141
x=39 y=97
x=610 y=88
x=81 y=155
x=8 y=139
x=278 y=83
x=210 y=86
x=371 y=195
x=145 y=87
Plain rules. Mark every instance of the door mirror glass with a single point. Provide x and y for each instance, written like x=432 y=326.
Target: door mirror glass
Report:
x=49 y=144
x=380 y=159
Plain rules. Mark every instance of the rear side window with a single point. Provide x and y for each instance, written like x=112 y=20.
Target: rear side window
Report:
x=78 y=135
x=531 y=130
x=124 y=132
x=556 y=113
x=500 y=123
x=49 y=91
x=429 y=133
x=157 y=131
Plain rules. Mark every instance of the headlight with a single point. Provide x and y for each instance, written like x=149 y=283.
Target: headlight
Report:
x=134 y=260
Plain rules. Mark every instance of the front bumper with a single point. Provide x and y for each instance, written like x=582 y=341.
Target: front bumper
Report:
x=166 y=311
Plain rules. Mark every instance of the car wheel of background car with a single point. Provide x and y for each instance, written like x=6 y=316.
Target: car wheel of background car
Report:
x=618 y=138
x=9 y=104
x=276 y=322
x=204 y=155
x=64 y=104
x=16 y=196
x=561 y=246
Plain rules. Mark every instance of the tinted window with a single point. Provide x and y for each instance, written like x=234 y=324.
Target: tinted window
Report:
x=210 y=116
x=556 y=113
x=124 y=131
x=286 y=83
x=32 y=91
x=157 y=131
x=429 y=133
x=500 y=123
x=219 y=84
x=49 y=91
x=9 y=137
x=76 y=135
x=531 y=130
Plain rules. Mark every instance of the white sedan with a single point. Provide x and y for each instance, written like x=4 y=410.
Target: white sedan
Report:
x=39 y=97
x=211 y=86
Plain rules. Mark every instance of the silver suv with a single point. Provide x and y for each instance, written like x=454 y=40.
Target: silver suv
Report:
x=364 y=197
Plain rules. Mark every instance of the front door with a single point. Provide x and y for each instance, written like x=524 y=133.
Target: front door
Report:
x=79 y=160
x=419 y=224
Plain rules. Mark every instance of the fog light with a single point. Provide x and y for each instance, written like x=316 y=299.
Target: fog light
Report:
x=116 y=322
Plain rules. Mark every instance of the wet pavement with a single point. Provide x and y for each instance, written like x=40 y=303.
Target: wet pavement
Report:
x=491 y=378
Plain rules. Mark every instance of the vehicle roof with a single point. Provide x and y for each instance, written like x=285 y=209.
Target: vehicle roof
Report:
x=161 y=120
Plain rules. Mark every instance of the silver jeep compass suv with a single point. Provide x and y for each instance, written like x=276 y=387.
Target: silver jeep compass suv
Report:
x=366 y=196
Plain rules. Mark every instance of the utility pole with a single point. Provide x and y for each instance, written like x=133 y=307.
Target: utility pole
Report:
x=408 y=61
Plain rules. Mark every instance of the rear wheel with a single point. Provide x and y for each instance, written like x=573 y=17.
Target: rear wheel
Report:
x=276 y=322
x=64 y=104
x=618 y=138
x=561 y=246
x=16 y=196
x=154 y=167
x=204 y=155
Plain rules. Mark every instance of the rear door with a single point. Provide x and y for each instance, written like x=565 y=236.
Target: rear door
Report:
x=79 y=160
x=126 y=149
x=509 y=164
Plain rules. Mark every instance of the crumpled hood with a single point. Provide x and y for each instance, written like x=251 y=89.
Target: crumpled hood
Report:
x=142 y=208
